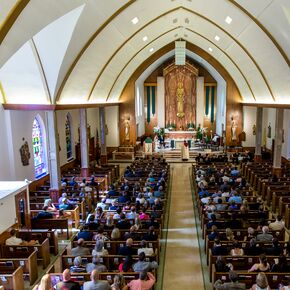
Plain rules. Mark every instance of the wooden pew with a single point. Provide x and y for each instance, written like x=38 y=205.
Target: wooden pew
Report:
x=22 y=251
x=12 y=280
x=29 y=266
x=50 y=224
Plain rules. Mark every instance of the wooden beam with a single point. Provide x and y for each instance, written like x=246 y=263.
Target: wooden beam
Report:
x=261 y=105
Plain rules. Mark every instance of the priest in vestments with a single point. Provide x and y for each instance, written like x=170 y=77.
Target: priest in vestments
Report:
x=185 y=151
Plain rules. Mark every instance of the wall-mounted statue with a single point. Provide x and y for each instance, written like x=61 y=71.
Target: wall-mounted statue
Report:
x=127 y=129
x=234 y=127
x=254 y=129
x=269 y=131
x=24 y=153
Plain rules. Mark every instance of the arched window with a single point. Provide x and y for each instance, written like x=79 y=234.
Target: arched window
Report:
x=39 y=150
x=68 y=138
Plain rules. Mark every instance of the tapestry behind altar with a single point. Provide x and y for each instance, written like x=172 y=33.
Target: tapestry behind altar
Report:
x=180 y=95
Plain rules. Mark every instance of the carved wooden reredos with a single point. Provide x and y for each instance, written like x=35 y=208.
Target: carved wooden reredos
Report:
x=180 y=94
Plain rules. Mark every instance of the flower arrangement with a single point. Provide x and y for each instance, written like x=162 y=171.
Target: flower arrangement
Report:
x=171 y=126
x=190 y=126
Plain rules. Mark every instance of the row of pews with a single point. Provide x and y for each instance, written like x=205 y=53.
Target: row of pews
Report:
x=263 y=197
x=19 y=265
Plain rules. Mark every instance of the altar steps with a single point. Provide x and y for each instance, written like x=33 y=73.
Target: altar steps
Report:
x=175 y=155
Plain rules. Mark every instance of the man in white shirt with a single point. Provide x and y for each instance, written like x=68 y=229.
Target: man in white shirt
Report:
x=13 y=240
x=147 y=251
x=277 y=225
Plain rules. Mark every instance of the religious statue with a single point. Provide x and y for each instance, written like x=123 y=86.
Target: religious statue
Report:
x=269 y=131
x=180 y=100
x=234 y=126
x=24 y=153
x=127 y=130
x=254 y=129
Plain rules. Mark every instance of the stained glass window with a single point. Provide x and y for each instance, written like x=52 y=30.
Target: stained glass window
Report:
x=68 y=138
x=40 y=167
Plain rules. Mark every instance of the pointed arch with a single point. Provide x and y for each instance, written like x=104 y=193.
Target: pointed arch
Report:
x=39 y=147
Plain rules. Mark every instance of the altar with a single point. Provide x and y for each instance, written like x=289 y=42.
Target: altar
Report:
x=180 y=134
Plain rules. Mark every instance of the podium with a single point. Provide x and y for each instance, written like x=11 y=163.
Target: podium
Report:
x=148 y=148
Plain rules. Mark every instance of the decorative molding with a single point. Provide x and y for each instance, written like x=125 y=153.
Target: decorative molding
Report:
x=41 y=69
x=11 y=18
x=4 y=99
x=269 y=105
x=150 y=84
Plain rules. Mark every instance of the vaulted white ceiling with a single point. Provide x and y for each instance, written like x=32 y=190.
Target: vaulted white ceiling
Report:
x=87 y=50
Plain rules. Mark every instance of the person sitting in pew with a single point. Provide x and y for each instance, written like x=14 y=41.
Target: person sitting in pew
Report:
x=65 y=204
x=265 y=236
x=127 y=250
x=80 y=250
x=262 y=266
x=85 y=234
x=222 y=266
x=233 y=285
x=237 y=250
x=275 y=249
x=102 y=204
x=251 y=234
x=77 y=266
x=142 y=283
x=253 y=249
x=213 y=234
x=119 y=283
x=261 y=283
x=45 y=283
x=144 y=248
x=123 y=223
x=218 y=249
x=280 y=265
x=151 y=235
x=49 y=204
x=14 y=241
x=99 y=249
x=67 y=283
x=44 y=214
x=277 y=225
x=143 y=265
x=96 y=265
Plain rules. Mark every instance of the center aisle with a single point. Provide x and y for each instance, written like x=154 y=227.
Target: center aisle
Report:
x=182 y=260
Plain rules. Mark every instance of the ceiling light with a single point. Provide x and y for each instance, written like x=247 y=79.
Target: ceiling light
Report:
x=135 y=20
x=151 y=49
x=174 y=20
x=185 y=35
x=145 y=38
x=186 y=20
x=217 y=38
x=210 y=49
x=228 y=20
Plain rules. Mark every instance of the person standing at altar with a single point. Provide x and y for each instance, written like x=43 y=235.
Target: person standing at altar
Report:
x=185 y=151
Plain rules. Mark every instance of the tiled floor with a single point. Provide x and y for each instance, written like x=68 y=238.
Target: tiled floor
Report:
x=182 y=260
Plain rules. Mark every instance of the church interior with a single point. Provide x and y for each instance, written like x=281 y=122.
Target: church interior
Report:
x=166 y=121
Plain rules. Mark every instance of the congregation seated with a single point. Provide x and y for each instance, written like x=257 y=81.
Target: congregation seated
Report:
x=146 y=281
x=261 y=283
x=77 y=266
x=67 y=282
x=99 y=249
x=127 y=250
x=264 y=236
x=262 y=266
x=49 y=204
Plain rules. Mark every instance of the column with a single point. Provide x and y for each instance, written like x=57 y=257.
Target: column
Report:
x=102 y=116
x=278 y=142
x=259 y=128
x=84 y=143
x=53 y=155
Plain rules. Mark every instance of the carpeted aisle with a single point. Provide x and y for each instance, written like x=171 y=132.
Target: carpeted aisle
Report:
x=182 y=260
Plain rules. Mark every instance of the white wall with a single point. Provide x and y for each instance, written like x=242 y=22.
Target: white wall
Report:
x=199 y=101
x=112 y=120
x=7 y=212
x=286 y=127
x=5 y=139
x=249 y=119
x=160 y=102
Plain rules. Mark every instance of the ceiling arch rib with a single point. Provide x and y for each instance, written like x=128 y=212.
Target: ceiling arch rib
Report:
x=101 y=86
x=250 y=12
x=124 y=75
x=87 y=44
x=252 y=58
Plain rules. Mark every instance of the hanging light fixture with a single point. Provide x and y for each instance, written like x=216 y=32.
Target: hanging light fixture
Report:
x=180 y=52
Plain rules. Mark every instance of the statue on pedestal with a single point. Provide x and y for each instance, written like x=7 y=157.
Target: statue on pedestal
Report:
x=180 y=100
x=234 y=126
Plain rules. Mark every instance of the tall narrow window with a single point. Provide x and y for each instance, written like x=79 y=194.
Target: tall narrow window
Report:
x=68 y=138
x=38 y=143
